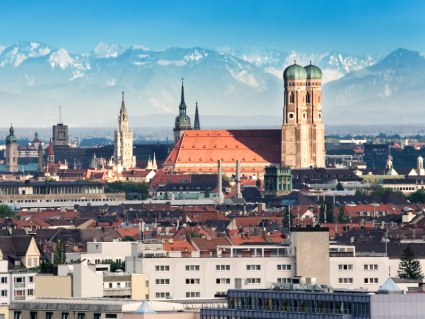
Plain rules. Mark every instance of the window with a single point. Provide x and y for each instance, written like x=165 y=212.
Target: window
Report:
x=253 y=267
x=96 y=316
x=81 y=315
x=19 y=280
x=33 y=315
x=162 y=268
x=30 y=292
x=146 y=283
x=345 y=267
x=307 y=98
x=4 y=280
x=162 y=281
x=193 y=294
x=370 y=267
x=284 y=280
x=110 y=285
x=30 y=279
x=284 y=267
x=162 y=295
x=371 y=280
x=253 y=280
x=192 y=267
x=111 y=315
x=65 y=315
x=222 y=281
x=3 y=293
x=345 y=280
x=291 y=97
x=17 y=315
x=222 y=267
x=49 y=315
x=192 y=281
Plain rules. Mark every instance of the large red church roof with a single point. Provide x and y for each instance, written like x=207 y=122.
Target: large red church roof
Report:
x=197 y=150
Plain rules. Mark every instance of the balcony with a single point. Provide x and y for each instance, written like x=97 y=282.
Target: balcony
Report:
x=19 y=285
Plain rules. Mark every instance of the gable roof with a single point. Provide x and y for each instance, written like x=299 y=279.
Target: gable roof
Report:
x=259 y=147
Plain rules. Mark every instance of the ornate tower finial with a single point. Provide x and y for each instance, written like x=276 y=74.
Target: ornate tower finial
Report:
x=122 y=101
x=295 y=61
x=197 y=124
x=182 y=98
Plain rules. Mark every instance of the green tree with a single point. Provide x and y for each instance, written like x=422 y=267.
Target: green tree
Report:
x=418 y=196
x=342 y=218
x=115 y=265
x=128 y=188
x=6 y=211
x=59 y=256
x=409 y=266
x=45 y=267
x=339 y=187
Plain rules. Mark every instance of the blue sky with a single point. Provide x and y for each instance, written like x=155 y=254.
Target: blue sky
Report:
x=356 y=26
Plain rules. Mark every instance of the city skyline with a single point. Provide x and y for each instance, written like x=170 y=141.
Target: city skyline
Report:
x=375 y=27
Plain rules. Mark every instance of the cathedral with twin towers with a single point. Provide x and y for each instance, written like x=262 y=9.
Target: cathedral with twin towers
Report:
x=299 y=143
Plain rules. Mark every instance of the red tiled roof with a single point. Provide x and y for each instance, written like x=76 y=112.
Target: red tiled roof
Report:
x=178 y=245
x=130 y=232
x=247 y=239
x=254 y=148
x=354 y=210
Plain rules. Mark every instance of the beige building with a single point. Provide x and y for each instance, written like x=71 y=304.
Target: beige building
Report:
x=86 y=280
x=311 y=251
x=303 y=142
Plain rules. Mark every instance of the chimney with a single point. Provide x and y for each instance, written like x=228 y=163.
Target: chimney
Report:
x=220 y=184
x=238 y=179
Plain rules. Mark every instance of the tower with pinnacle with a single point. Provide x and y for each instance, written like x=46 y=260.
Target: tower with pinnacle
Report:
x=123 y=142
x=197 y=124
x=182 y=122
x=11 y=153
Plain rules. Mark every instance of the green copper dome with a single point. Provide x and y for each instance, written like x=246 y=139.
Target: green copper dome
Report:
x=294 y=72
x=11 y=138
x=313 y=72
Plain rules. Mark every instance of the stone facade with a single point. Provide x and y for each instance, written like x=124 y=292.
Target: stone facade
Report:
x=123 y=137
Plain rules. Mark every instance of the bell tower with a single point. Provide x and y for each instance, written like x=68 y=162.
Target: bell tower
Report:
x=182 y=122
x=11 y=152
x=302 y=128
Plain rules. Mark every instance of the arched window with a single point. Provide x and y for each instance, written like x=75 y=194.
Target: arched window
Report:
x=291 y=97
x=307 y=97
x=318 y=99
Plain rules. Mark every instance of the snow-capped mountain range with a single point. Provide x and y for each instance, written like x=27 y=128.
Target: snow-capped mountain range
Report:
x=241 y=86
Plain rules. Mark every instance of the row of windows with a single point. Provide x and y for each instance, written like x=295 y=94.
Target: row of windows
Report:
x=345 y=280
x=222 y=281
x=222 y=267
x=284 y=267
x=162 y=295
x=192 y=267
x=253 y=280
x=162 y=281
x=253 y=267
x=162 y=268
x=192 y=281
x=193 y=294
x=365 y=267
x=371 y=280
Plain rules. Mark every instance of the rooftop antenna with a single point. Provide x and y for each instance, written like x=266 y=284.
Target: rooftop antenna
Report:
x=60 y=114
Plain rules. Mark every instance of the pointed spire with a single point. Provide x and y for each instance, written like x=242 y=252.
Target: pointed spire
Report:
x=182 y=98
x=197 y=124
x=122 y=102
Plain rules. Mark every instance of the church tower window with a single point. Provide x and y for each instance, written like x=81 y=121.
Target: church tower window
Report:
x=307 y=97
x=291 y=97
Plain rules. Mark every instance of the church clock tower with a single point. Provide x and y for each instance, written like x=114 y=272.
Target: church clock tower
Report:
x=302 y=130
x=11 y=152
x=182 y=122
